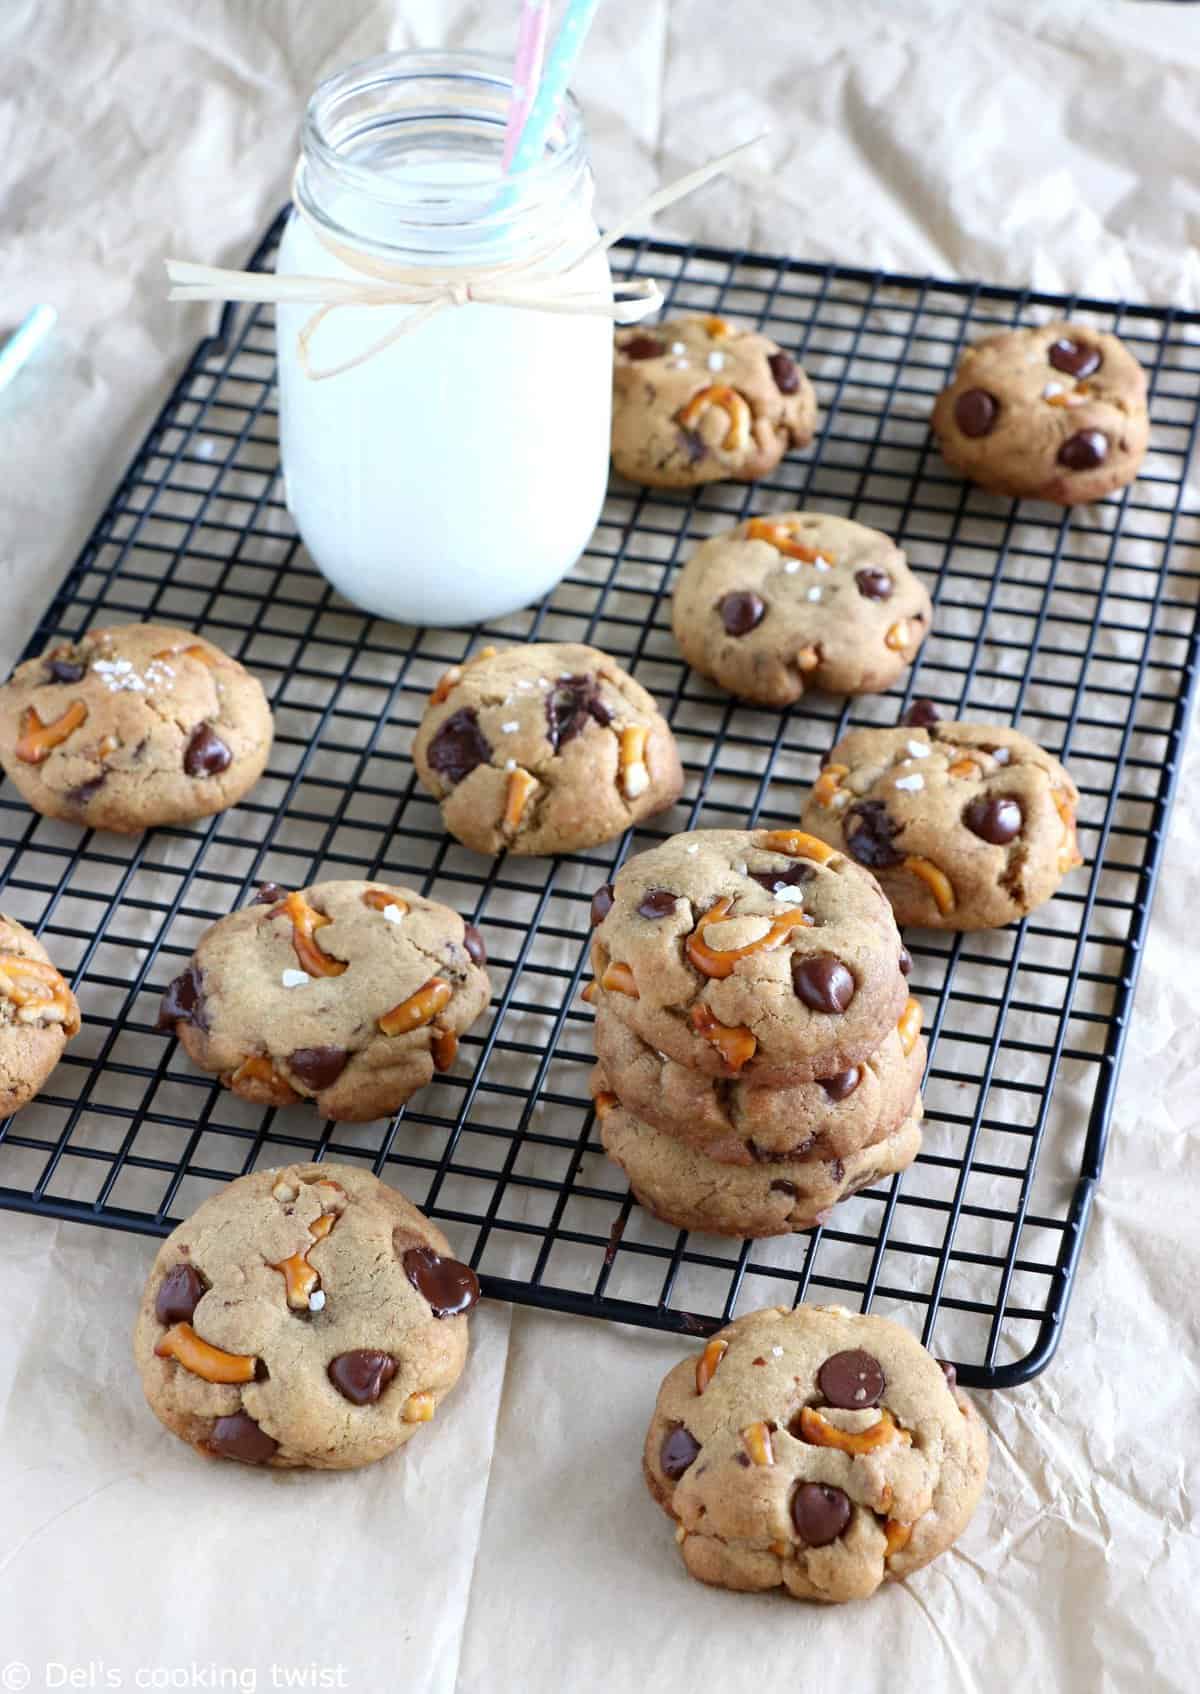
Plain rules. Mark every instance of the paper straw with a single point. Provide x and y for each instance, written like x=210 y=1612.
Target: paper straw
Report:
x=560 y=65
x=527 y=72
x=24 y=341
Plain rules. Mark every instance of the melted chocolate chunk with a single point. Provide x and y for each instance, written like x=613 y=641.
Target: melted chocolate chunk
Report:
x=949 y=1372
x=905 y=961
x=820 y=1513
x=994 y=818
x=179 y=1293
x=318 y=1067
x=1083 y=452
x=785 y=371
x=741 y=612
x=569 y=705
x=206 y=754
x=852 y=1380
x=874 y=584
x=362 y=1376
x=694 y=445
x=975 y=412
x=679 y=1451
x=644 y=347
x=602 y=903
x=787 y=876
x=450 y=1287
x=658 y=903
x=87 y=791
x=822 y=982
x=870 y=835
x=1076 y=358
x=473 y=942
x=780 y=1186
x=183 y=1001
x=762 y=1157
x=269 y=894
x=922 y=714
x=64 y=670
x=458 y=746
x=841 y=1086
x=239 y=1437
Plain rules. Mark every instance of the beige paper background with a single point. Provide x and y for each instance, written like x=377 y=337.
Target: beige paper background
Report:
x=1055 y=143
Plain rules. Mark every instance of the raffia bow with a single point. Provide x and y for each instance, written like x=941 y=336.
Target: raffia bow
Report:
x=531 y=283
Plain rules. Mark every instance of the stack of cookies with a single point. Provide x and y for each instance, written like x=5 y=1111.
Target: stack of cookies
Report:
x=760 y=1057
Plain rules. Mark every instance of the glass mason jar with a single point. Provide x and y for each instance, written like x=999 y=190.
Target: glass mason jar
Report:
x=458 y=473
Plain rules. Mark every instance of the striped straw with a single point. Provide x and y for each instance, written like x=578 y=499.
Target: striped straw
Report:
x=560 y=65
x=527 y=72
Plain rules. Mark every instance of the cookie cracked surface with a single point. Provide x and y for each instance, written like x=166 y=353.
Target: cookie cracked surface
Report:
x=542 y=749
x=1056 y=413
x=306 y=1316
x=699 y=399
x=799 y=600
x=38 y=1015
x=816 y=1451
x=966 y=826
x=348 y=994
x=132 y=726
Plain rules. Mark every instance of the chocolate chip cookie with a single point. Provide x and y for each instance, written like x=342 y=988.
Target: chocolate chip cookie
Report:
x=732 y=1122
x=547 y=749
x=816 y=1451
x=1056 y=413
x=683 y=1186
x=306 y=1316
x=966 y=826
x=799 y=600
x=699 y=399
x=133 y=726
x=760 y=954
x=348 y=994
x=38 y=1016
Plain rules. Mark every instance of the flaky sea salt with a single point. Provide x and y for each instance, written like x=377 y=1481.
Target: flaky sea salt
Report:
x=788 y=895
x=693 y=849
x=716 y=361
x=294 y=979
x=119 y=675
x=917 y=750
x=678 y=347
x=814 y=594
x=316 y=1300
x=910 y=784
x=791 y=566
x=510 y=764
x=393 y=914
x=822 y=563
x=509 y=728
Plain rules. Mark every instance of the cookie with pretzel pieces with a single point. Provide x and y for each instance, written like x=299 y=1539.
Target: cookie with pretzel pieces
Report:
x=38 y=1016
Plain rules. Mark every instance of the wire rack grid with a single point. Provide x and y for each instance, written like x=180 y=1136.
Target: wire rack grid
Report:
x=1080 y=627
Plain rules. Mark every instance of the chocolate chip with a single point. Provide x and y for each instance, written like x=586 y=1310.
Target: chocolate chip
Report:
x=874 y=584
x=658 y=903
x=239 y=1437
x=994 y=818
x=64 y=670
x=179 y=1293
x=975 y=411
x=788 y=876
x=853 y=1380
x=820 y=1513
x=679 y=1450
x=921 y=715
x=318 y=1067
x=781 y=1187
x=870 y=834
x=763 y=1157
x=1083 y=452
x=785 y=371
x=905 y=961
x=458 y=746
x=741 y=612
x=743 y=1459
x=837 y=1170
x=362 y=1376
x=206 y=754
x=473 y=942
x=183 y=1001
x=644 y=347
x=949 y=1372
x=841 y=1086
x=822 y=982
x=1076 y=358
x=694 y=445
x=569 y=705
x=602 y=903
x=449 y=1286
x=87 y=791
x=269 y=893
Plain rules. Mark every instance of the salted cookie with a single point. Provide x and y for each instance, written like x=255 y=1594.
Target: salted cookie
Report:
x=799 y=600
x=760 y=954
x=816 y=1451
x=1057 y=413
x=544 y=749
x=734 y=1123
x=684 y=1187
x=38 y=1016
x=132 y=726
x=306 y=1316
x=348 y=994
x=966 y=826
x=699 y=399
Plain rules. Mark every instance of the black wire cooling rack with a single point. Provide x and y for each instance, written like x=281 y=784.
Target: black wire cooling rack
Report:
x=1080 y=627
